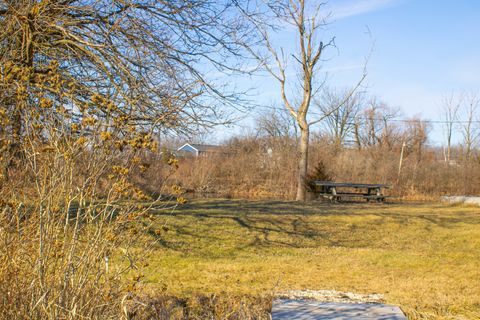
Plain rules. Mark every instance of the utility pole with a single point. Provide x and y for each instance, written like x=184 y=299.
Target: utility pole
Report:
x=401 y=162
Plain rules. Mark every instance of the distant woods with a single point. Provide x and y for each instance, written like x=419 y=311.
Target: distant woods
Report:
x=363 y=140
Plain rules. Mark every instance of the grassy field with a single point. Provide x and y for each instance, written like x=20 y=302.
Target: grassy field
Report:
x=422 y=257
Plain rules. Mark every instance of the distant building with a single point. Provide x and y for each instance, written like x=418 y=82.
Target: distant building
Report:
x=190 y=149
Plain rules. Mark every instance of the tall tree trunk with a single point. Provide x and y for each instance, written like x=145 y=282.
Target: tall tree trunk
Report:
x=303 y=162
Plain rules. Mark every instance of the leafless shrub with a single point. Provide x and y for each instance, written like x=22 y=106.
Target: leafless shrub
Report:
x=65 y=250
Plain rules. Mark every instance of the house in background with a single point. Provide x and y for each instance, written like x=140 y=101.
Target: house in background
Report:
x=190 y=149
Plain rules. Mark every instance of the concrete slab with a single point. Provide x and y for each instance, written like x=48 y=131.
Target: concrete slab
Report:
x=313 y=310
x=462 y=199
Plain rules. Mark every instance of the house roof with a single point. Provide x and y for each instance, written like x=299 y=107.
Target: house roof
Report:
x=201 y=147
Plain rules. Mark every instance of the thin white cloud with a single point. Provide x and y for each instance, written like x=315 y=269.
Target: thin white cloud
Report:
x=358 y=7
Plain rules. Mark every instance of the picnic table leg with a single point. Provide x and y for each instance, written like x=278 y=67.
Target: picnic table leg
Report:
x=369 y=193
x=335 y=198
x=380 y=198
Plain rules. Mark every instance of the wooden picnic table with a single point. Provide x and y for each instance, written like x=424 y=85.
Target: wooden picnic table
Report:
x=333 y=190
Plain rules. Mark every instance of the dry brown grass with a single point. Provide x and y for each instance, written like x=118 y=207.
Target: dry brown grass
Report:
x=422 y=257
x=200 y=307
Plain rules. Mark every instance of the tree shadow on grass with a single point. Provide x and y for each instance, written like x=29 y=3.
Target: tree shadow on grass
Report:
x=301 y=225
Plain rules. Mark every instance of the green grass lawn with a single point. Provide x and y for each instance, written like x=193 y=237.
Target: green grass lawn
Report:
x=423 y=257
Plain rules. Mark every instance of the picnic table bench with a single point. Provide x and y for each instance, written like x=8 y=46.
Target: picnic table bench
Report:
x=333 y=190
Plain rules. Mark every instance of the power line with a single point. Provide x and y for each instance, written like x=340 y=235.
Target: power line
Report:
x=382 y=119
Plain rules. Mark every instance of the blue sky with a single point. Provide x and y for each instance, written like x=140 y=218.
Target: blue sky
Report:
x=422 y=50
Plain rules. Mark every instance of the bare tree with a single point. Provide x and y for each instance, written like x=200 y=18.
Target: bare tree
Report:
x=374 y=126
x=415 y=137
x=307 y=20
x=145 y=57
x=340 y=110
x=451 y=105
x=277 y=123
x=470 y=129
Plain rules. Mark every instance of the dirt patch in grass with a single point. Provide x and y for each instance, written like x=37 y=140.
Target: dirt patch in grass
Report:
x=423 y=257
x=331 y=296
